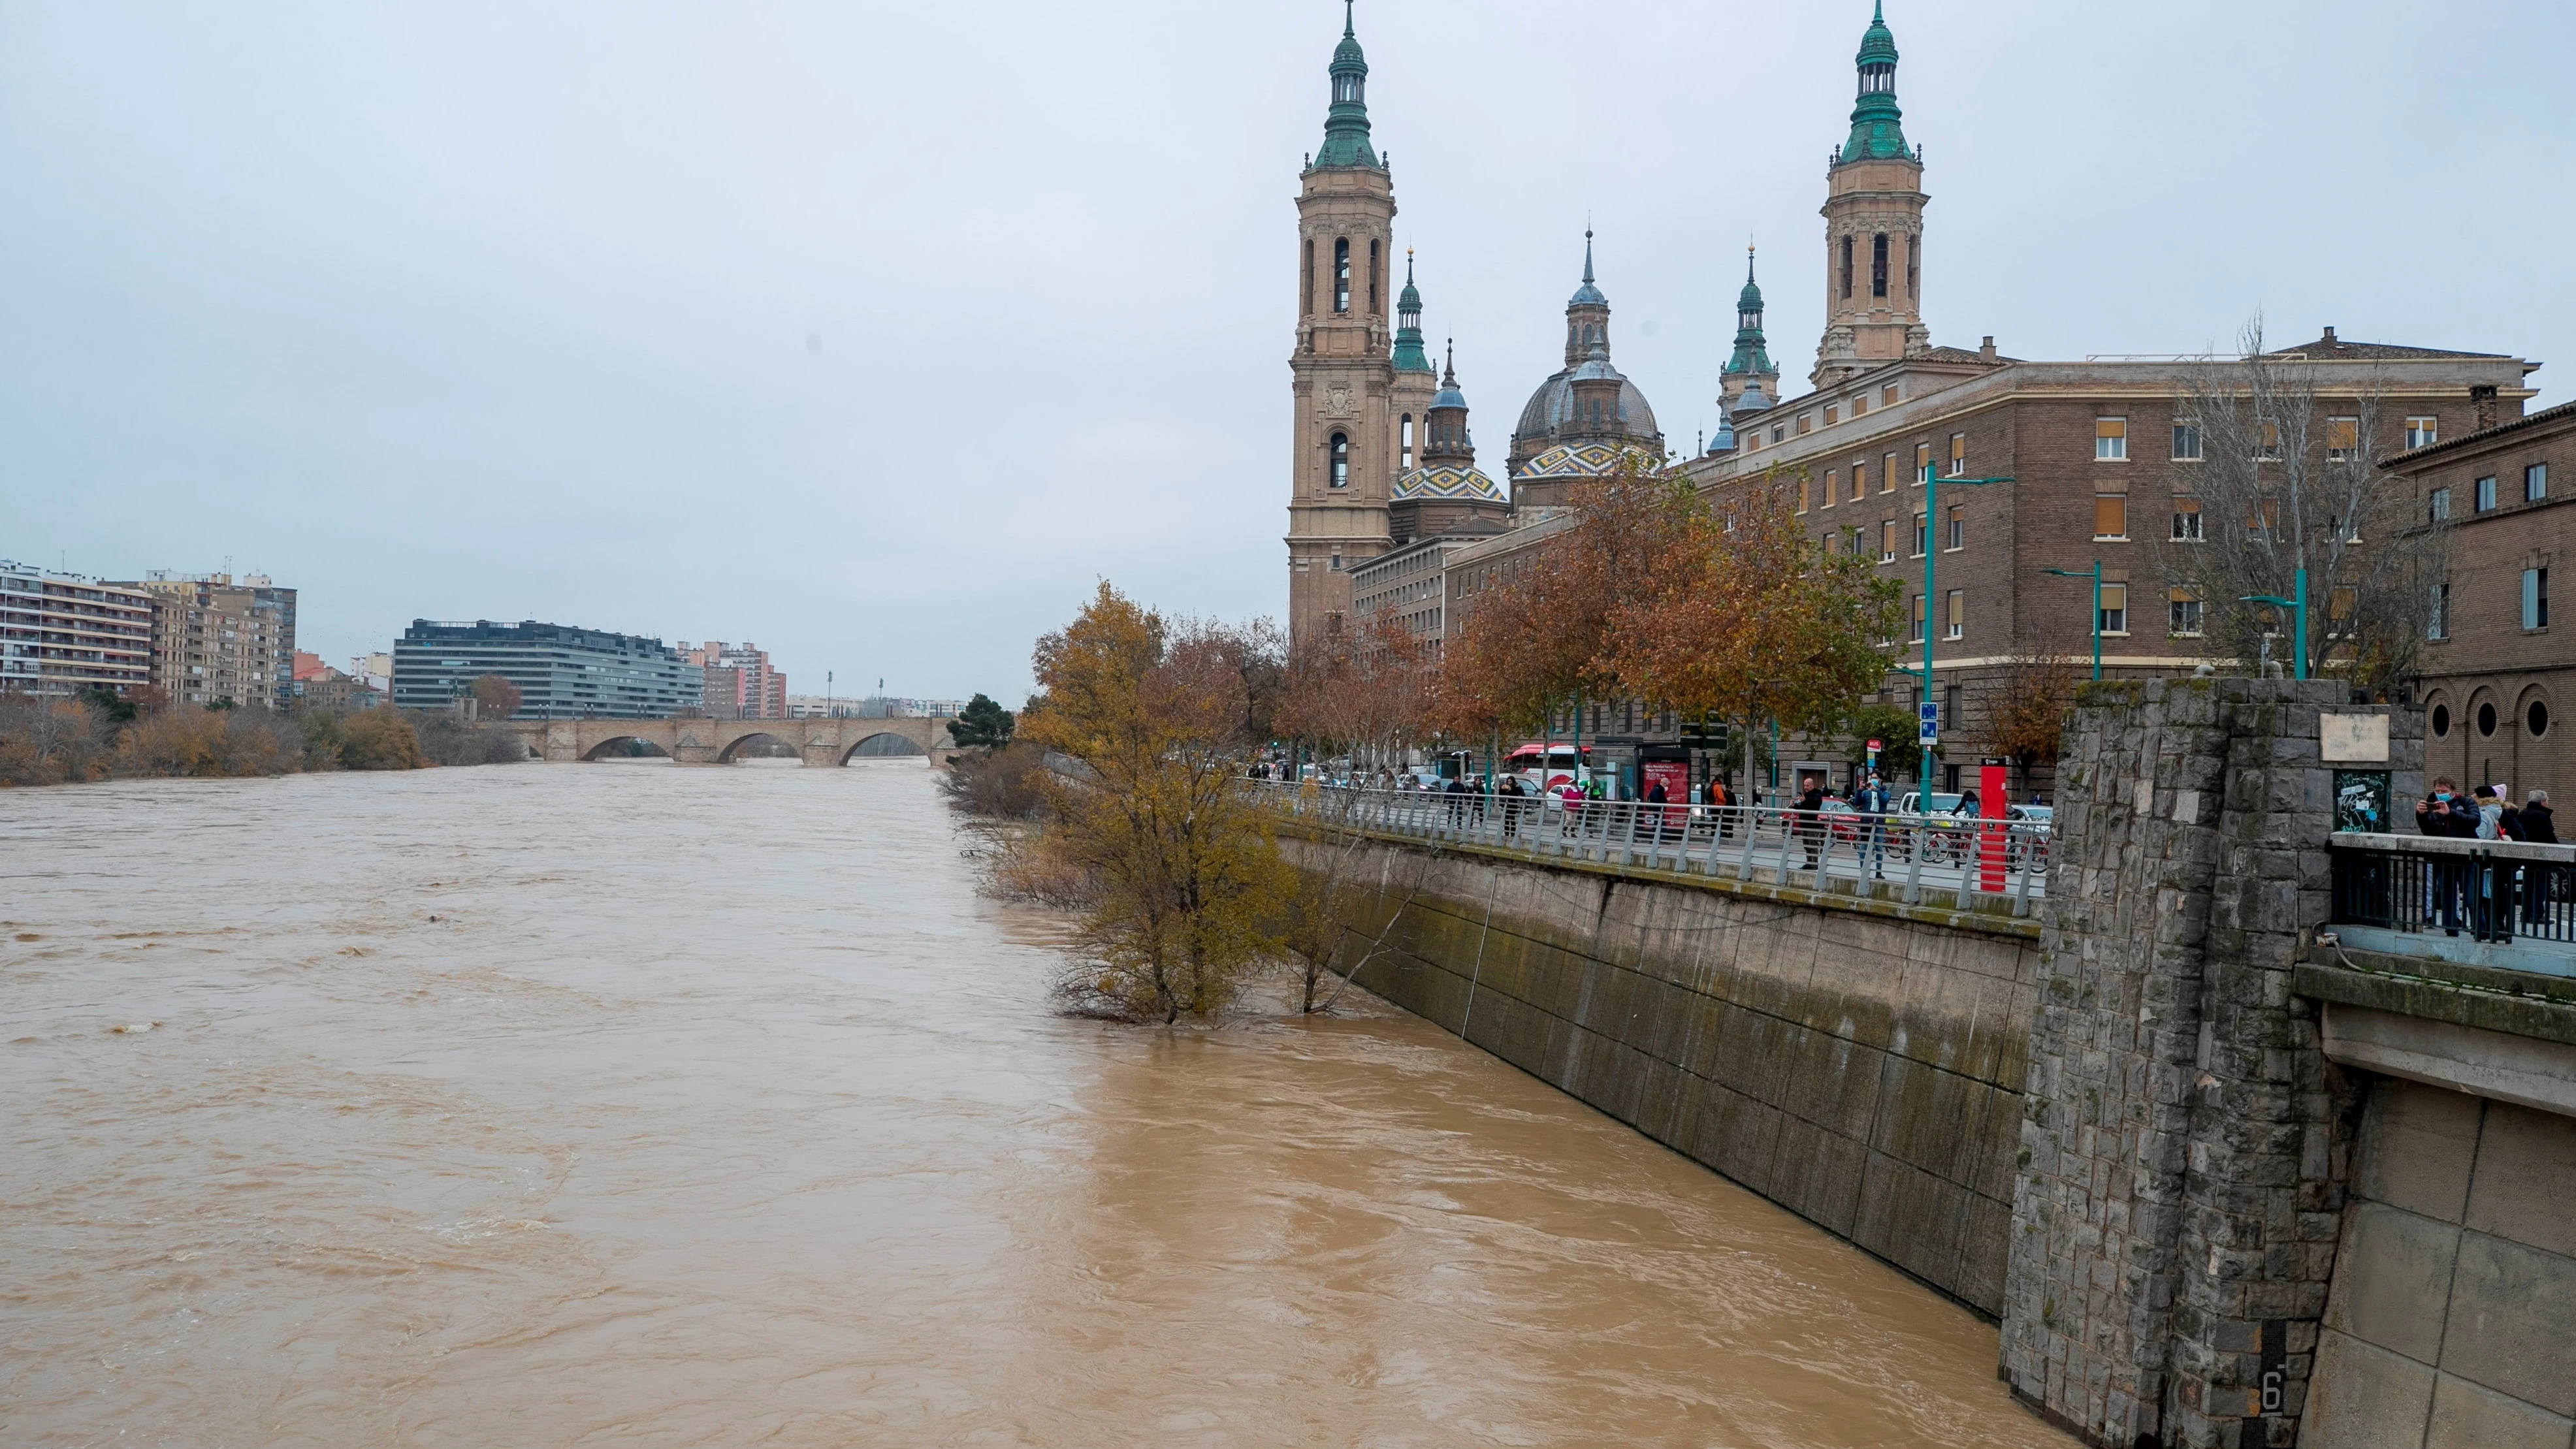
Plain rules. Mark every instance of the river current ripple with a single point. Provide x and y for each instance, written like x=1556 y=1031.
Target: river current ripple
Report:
x=589 y=1105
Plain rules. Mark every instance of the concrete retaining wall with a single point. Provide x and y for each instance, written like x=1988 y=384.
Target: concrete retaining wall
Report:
x=1857 y=1064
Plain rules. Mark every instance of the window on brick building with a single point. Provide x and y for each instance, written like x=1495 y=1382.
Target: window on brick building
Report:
x=2343 y=439
x=1342 y=275
x=1922 y=461
x=1878 y=265
x=2183 y=614
x=2535 y=598
x=1833 y=414
x=2269 y=448
x=2437 y=505
x=1921 y=531
x=1887 y=541
x=1956 y=527
x=1860 y=478
x=1958 y=455
x=2186 y=520
x=1802 y=492
x=1847 y=266
x=1833 y=486
x=1887 y=396
x=1914 y=634
x=2437 y=615
x=2423 y=432
x=1405 y=441
x=2486 y=495
x=2110 y=440
x=2535 y=483
x=1341 y=457
x=1373 y=276
x=2110 y=515
x=1806 y=423
x=2115 y=609
x=1955 y=621
x=1887 y=474
x=2186 y=442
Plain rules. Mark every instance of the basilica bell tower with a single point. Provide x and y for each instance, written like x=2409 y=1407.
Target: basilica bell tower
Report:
x=1873 y=228
x=1345 y=440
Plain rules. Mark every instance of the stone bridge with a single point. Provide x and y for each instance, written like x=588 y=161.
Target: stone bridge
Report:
x=720 y=741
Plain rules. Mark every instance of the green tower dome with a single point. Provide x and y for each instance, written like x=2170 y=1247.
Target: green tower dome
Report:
x=1409 y=356
x=1878 y=124
x=1346 y=125
x=1752 y=351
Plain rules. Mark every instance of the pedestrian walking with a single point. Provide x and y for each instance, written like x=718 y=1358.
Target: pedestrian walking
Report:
x=1871 y=802
x=1811 y=814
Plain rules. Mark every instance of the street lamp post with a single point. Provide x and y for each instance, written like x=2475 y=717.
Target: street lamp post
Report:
x=1932 y=481
x=2297 y=604
x=2095 y=574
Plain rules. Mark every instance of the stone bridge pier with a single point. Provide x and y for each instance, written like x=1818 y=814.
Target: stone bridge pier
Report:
x=823 y=742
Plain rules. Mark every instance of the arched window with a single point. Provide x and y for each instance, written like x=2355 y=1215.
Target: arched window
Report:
x=1404 y=442
x=1373 y=275
x=1341 y=454
x=1342 y=275
x=1847 y=266
x=1878 y=265
x=1310 y=276
x=1913 y=268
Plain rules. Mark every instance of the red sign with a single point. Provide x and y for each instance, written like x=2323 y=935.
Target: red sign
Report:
x=1875 y=747
x=1991 y=853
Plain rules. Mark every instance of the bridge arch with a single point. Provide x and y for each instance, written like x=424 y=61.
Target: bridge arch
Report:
x=885 y=745
x=733 y=748
x=625 y=747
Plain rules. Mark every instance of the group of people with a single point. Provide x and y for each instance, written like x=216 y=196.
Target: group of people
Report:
x=2457 y=887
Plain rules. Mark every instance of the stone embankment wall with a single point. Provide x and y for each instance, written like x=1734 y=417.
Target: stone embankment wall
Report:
x=1856 y=1062
x=2177 y=1211
x=2225 y=1181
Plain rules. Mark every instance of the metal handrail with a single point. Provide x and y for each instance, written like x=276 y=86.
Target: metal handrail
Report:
x=1966 y=858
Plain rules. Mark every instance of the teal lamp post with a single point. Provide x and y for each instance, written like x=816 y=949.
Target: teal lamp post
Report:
x=1932 y=481
x=2297 y=604
x=2095 y=574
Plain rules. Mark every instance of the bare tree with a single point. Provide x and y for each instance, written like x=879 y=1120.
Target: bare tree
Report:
x=2032 y=699
x=2290 y=479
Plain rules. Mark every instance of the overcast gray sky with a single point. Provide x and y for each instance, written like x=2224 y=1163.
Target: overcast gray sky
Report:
x=875 y=333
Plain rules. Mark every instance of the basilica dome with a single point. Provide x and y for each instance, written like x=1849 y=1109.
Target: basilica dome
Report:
x=1551 y=409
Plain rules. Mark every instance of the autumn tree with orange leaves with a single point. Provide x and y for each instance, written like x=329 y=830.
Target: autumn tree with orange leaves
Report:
x=1365 y=691
x=1652 y=590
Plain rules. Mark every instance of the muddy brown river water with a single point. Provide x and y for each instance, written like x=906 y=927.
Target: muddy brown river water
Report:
x=635 y=1105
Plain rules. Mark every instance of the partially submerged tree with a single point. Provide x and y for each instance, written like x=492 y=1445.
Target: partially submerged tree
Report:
x=1177 y=872
x=2288 y=479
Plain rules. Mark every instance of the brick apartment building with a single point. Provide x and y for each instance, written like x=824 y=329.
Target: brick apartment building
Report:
x=740 y=683
x=63 y=633
x=2102 y=457
x=215 y=638
x=2494 y=679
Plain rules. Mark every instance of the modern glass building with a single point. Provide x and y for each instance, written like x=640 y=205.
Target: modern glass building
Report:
x=561 y=672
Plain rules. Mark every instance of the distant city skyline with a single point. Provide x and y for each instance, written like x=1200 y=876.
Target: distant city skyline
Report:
x=657 y=323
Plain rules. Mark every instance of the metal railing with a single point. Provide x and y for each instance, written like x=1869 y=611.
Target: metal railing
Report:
x=1957 y=861
x=2489 y=890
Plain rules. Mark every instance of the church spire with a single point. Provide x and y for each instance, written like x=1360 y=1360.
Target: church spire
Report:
x=1408 y=324
x=1346 y=125
x=1878 y=124
x=1752 y=357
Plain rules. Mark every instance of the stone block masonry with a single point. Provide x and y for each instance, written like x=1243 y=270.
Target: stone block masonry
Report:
x=1860 y=1067
x=2179 y=1191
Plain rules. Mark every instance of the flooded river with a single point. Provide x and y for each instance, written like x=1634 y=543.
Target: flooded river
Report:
x=633 y=1105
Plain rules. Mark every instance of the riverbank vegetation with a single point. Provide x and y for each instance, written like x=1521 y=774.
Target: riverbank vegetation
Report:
x=98 y=736
x=1145 y=832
